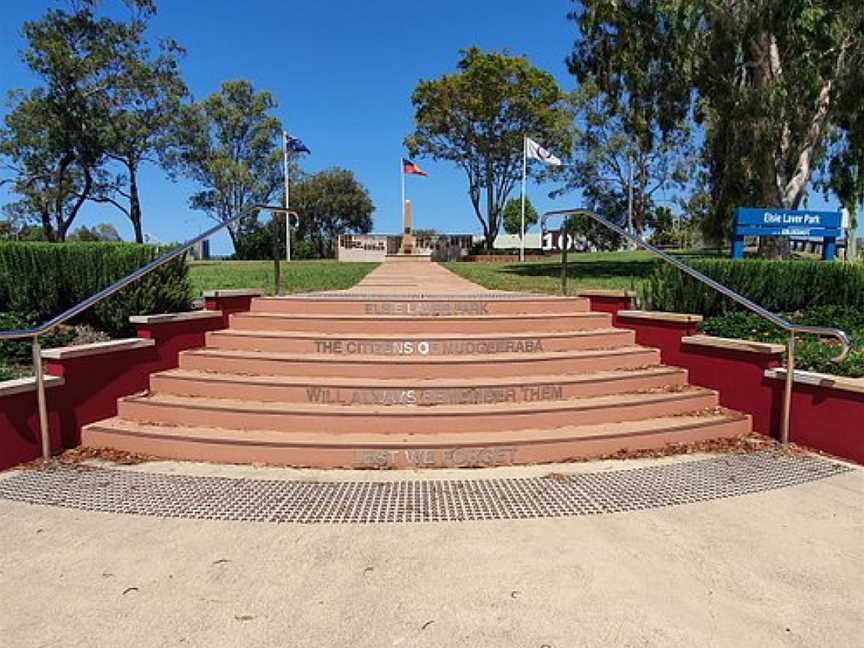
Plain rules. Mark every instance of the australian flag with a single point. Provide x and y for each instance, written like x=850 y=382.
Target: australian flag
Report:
x=294 y=145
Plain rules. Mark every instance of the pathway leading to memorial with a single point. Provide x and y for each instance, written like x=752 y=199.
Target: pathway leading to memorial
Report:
x=415 y=278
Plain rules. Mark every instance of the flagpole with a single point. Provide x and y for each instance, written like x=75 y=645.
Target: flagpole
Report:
x=524 y=175
x=287 y=216
x=402 y=204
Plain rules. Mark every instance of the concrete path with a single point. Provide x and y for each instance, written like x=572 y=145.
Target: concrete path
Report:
x=414 y=278
x=778 y=568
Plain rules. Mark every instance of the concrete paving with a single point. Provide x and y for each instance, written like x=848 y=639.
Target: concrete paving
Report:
x=414 y=278
x=779 y=568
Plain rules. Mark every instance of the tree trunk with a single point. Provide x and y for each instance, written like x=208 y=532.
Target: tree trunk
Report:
x=60 y=197
x=490 y=240
x=492 y=230
x=233 y=236
x=852 y=250
x=775 y=247
x=135 y=204
x=47 y=229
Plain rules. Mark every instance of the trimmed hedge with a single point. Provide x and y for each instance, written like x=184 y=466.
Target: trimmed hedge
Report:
x=40 y=280
x=780 y=286
x=812 y=353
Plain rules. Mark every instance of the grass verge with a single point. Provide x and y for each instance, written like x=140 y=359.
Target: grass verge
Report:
x=297 y=276
x=612 y=270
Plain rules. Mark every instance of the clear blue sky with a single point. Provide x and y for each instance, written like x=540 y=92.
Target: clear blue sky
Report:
x=342 y=72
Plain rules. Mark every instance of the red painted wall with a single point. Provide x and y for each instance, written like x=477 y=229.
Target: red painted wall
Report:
x=827 y=419
x=611 y=305
x=229 y=305
x=823 y=418
x=19 y=428
x=739 y=377
x=94 y=383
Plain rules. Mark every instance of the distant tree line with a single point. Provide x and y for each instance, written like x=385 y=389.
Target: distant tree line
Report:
x=108 y=101
x=682 y=110
x=713 y=104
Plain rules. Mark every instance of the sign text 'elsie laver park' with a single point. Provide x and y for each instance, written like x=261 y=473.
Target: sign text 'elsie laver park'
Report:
x=798 y=223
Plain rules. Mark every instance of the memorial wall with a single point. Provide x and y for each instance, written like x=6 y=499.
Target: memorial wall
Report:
x=375 y=247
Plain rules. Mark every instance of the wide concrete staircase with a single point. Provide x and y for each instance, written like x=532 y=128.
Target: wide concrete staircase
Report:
x=353 y=380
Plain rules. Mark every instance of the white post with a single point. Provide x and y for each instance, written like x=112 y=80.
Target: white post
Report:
x=402 y=178
x=287 y=216
x=524 y=177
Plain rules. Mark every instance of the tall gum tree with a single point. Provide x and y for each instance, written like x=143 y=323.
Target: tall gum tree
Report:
x=777 y=88
x=53 y=136
x=777 y=80
x=631 y=110
x=230 y=145
x=146 y=103
x=477 y=118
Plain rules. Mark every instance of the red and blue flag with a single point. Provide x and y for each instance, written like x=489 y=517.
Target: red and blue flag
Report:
x=409 y=168
x=294 y=145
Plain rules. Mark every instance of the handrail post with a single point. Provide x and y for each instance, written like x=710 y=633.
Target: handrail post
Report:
x=277 y=280
x=40 y=399
x=563 y=242
x=787 y=392
x=564 y=272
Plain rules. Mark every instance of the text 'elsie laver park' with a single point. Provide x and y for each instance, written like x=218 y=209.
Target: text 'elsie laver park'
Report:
x=804 y=224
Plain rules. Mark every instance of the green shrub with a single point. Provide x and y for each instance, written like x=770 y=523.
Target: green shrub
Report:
x=777 y=285
x=14 y=352
x=256 y=244
x=40 y=280
x=812 y=353
x=6 y=372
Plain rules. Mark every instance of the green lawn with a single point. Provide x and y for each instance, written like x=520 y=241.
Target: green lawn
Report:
x=302 y=276
x=614 y=270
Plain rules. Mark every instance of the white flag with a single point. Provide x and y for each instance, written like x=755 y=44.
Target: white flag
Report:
x=537 y=152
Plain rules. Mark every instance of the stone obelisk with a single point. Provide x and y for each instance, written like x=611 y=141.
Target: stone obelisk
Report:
x=407 y=246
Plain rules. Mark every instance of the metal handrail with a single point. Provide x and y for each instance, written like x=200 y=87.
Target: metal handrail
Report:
x=789 y=327
x=118 y=285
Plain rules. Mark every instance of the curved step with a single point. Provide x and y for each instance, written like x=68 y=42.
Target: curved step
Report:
x=420 y=393
x=396 y=306
x=399 y=419
x=400 y=451
x=403 y=325
x=414 y=344
x=365 y=366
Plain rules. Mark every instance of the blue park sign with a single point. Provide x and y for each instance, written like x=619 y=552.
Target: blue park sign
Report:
x=797 y=223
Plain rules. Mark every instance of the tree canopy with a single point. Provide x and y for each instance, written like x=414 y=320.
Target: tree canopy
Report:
x=229 y=144
x=329 y=203
x=775 y=84
x=477 y=118
x=147 y=102
x=512 y=215
x=95 y=73
x=103 y=232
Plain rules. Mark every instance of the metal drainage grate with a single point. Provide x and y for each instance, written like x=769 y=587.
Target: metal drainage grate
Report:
x=253 y=500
